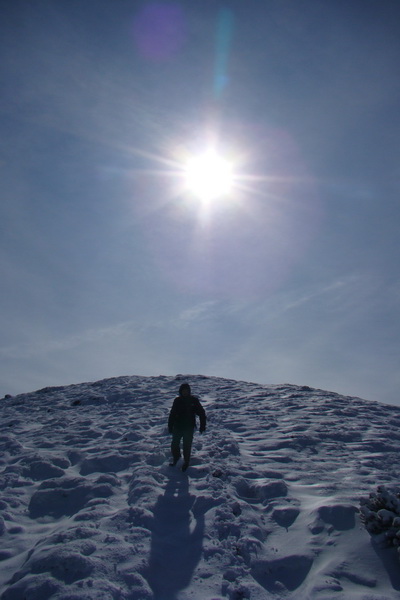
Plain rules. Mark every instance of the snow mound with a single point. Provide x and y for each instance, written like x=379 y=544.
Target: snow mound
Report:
x=278 y=501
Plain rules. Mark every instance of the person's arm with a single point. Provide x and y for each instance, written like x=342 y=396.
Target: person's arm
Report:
x=202 y=415
x=171 y=417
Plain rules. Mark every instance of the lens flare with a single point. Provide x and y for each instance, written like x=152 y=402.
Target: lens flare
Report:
x=160 y=30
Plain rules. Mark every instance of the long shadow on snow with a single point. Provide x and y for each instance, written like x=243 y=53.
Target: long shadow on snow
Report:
x=175 y=547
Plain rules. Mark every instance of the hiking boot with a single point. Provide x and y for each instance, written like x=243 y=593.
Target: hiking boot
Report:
x=185 y=466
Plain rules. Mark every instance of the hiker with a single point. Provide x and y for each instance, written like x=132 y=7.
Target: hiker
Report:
x=182 y=423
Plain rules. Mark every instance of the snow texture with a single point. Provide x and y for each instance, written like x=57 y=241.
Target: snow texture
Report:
x=287 y=496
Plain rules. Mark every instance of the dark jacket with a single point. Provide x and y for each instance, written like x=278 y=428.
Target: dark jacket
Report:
x=183 y=414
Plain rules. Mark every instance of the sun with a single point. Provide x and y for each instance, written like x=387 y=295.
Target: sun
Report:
x=208 y=176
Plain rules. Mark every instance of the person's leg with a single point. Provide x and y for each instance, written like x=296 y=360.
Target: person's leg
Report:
x=187 y=447
x=175 y=446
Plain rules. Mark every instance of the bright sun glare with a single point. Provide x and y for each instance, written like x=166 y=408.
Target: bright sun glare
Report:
x=208 y=176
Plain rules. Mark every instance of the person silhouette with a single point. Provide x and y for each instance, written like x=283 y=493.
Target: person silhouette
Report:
x=182 y=423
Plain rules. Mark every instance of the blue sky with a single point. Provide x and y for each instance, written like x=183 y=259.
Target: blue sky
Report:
x=108 y=267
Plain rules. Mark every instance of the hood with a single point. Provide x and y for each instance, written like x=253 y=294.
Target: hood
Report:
x=183 y=387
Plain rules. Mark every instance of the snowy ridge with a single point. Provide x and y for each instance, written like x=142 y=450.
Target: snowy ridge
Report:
x=269 y=507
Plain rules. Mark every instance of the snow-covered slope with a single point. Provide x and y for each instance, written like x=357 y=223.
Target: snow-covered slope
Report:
x=269 y=507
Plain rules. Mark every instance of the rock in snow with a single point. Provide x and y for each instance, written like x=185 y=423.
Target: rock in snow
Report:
x=268 y=509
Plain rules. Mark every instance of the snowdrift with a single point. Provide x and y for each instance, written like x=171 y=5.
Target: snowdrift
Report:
x=269 y=508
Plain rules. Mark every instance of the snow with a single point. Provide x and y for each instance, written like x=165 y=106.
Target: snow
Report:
x=268 y=509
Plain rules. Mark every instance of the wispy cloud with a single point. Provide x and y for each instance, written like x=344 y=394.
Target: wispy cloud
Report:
x=315 y=294
x=47 y=346
x=197 y=313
